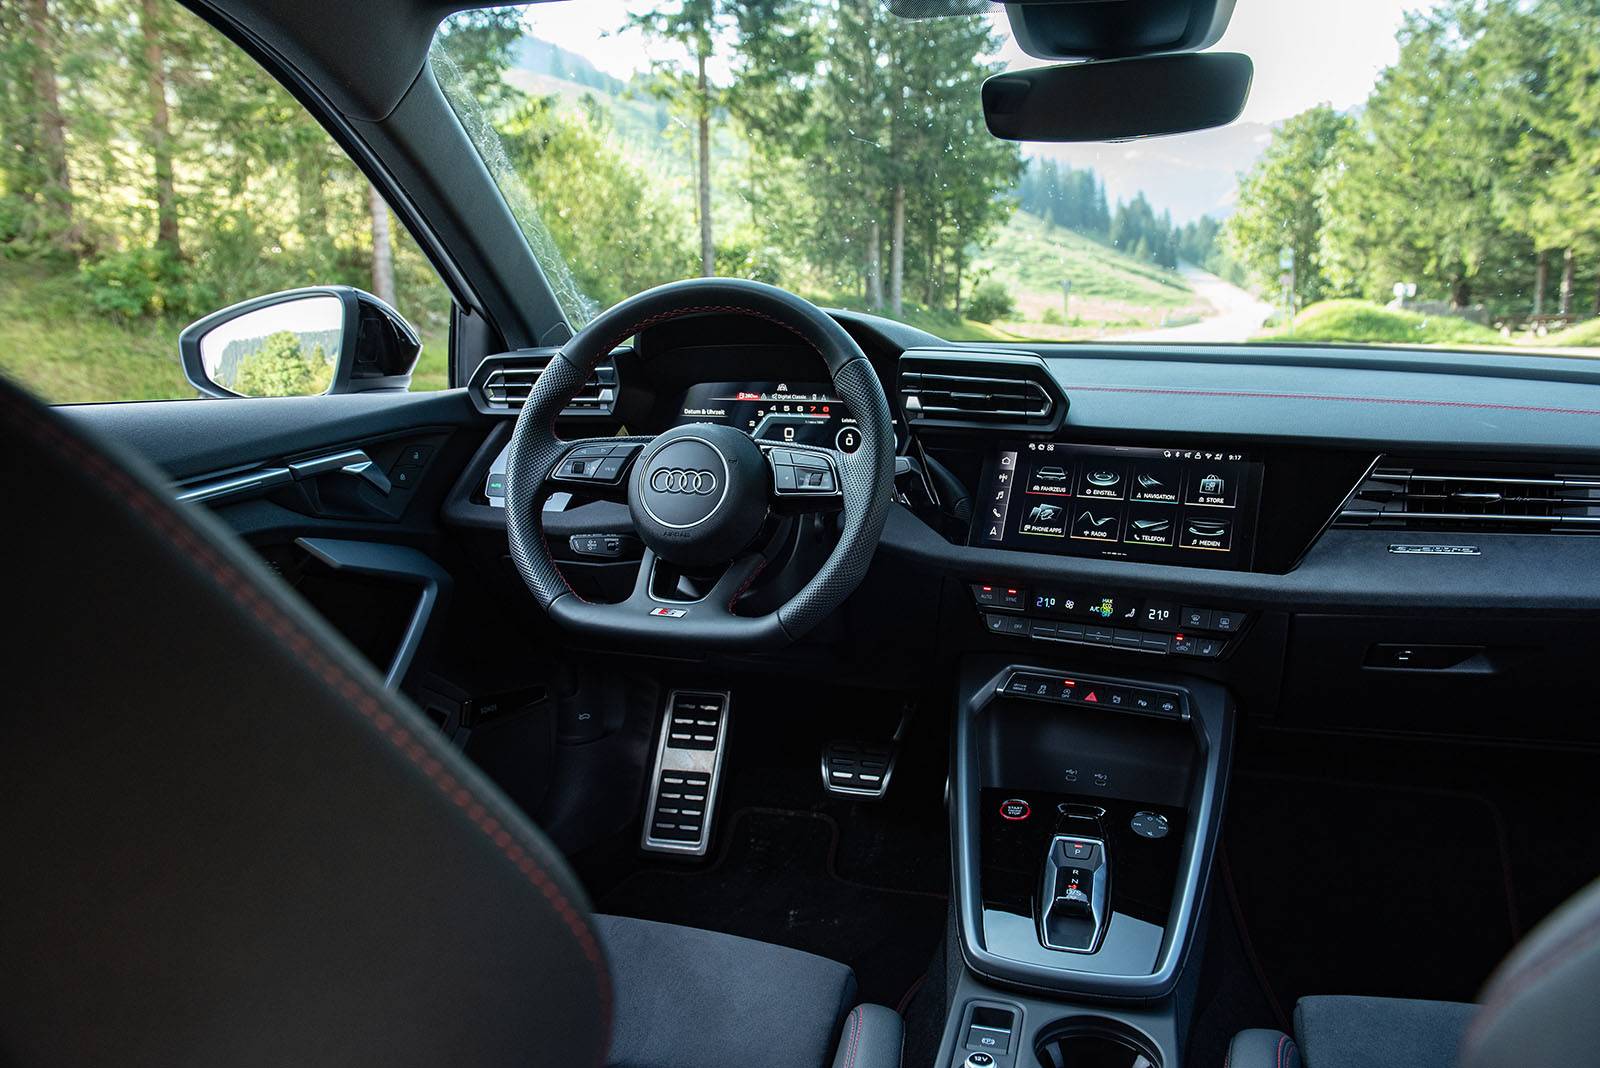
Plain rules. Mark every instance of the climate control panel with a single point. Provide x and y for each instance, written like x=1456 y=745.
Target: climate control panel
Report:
x=1098 y=617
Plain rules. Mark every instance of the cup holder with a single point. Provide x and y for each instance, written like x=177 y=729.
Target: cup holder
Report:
x=1094 y=1042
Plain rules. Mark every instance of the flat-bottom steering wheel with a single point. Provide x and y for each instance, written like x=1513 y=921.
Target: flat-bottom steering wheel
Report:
x=701 y=495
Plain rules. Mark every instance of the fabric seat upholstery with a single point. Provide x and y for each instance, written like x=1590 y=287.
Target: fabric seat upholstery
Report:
x=1357 y=1032
x=228 y=844
x=1538 y=1008
x=699 y=999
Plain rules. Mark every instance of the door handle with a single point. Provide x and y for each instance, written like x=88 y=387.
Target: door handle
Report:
x=354 y=462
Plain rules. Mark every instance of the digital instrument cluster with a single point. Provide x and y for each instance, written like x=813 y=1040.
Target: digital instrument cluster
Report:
x=805 y=413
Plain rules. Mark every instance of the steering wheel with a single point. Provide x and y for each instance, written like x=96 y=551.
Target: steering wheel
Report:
x=701 y=495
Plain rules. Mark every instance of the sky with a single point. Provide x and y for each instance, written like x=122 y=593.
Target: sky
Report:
x=1306 y=52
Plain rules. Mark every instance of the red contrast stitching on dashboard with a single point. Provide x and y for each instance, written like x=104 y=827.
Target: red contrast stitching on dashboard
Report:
x=161 y=516
x=1262 y=395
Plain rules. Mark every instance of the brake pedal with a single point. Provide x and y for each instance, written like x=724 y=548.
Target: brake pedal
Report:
x=683 y=785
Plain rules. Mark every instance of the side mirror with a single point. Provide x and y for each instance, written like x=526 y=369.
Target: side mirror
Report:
x=300 y=343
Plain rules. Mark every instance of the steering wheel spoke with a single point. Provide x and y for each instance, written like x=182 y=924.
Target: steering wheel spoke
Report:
x=594 y=467
x=803 y=479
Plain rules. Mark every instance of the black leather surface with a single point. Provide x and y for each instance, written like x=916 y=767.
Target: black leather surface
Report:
x=873 y=1037
x=1542 y=1006
x=1262 y=1048
x=225 y=844
x=701 y=999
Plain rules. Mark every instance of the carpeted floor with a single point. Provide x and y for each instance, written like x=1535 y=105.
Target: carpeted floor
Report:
x=779 y=879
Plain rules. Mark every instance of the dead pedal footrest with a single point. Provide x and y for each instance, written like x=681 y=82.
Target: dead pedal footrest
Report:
x=683 y=782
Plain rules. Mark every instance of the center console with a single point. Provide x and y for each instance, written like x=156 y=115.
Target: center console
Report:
x=1085 y=813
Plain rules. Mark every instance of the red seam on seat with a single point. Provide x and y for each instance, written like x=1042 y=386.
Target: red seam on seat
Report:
x=1265 y=395
x=855 y=1032
x=162 y=516
x=1278 y=1055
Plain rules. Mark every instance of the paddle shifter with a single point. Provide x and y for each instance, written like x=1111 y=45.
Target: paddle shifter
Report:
x=1074 y=891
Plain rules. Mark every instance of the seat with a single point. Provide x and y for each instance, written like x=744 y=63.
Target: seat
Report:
x=1537 y=1009
x=227 y=844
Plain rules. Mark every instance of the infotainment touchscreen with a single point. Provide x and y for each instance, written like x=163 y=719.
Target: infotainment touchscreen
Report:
x=1168 y=505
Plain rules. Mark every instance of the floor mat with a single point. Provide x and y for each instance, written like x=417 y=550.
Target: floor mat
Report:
x=778 y=880
x=1346 y=888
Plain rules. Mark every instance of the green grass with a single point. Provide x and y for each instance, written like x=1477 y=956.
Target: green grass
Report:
x=57 y=345
x=941 y=323
x=1028 y=255
x=1365 y=321
x=1110 y=290
x=1582 y=336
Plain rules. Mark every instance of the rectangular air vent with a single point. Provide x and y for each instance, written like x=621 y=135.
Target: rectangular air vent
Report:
x=1471 y=497
x=979 y=390
x=502 y=383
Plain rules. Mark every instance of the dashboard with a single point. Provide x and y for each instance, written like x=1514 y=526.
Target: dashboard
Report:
x=1294 y=522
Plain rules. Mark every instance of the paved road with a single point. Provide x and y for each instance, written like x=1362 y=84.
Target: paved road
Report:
x=1237 y=314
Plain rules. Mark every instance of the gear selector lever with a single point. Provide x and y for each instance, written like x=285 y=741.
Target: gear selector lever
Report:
x=1074 y=891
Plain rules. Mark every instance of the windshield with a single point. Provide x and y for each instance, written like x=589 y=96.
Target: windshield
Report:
x=1421 y=174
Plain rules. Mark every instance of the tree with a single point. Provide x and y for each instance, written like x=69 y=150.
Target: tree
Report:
x=40 y=45
x=151 y=29
x=694 y=25
x=382 y=248
x=282 y=369
x=1414 y=197
x=1281 y=204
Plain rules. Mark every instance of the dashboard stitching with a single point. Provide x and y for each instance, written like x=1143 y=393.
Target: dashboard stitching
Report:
x=1263 y=395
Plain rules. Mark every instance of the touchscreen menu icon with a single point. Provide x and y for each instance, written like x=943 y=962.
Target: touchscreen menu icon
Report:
x=1102 y=479
x=1215 y=485
x=1148 y=525
x=1050 y=478
x=1046 y=518
x=1156 y=482
x=1096 y=522
x=1206 y=532
x=998 y=504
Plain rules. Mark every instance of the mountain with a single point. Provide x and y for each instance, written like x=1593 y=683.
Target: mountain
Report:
x=543 y=57
x=1188 y=174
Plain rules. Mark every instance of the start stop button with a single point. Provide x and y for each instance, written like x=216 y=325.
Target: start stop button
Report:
x=1015 y=809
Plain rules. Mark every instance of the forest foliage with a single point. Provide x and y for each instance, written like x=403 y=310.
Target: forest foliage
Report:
x=1472 y=171
x=827 y=146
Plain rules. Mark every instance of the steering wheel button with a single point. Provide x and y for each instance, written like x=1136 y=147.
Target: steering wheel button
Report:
x=609 y=468
x=810 y=459
x=786 y=477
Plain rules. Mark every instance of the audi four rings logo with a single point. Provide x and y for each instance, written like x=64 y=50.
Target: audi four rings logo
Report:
x=679 y=480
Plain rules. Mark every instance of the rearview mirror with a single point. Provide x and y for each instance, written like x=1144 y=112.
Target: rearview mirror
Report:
x=1117 y=99
x=300 y=343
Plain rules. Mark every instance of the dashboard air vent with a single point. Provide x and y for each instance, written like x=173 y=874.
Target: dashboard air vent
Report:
x=1476 y=497
x=979 y=390
x=502 y=383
